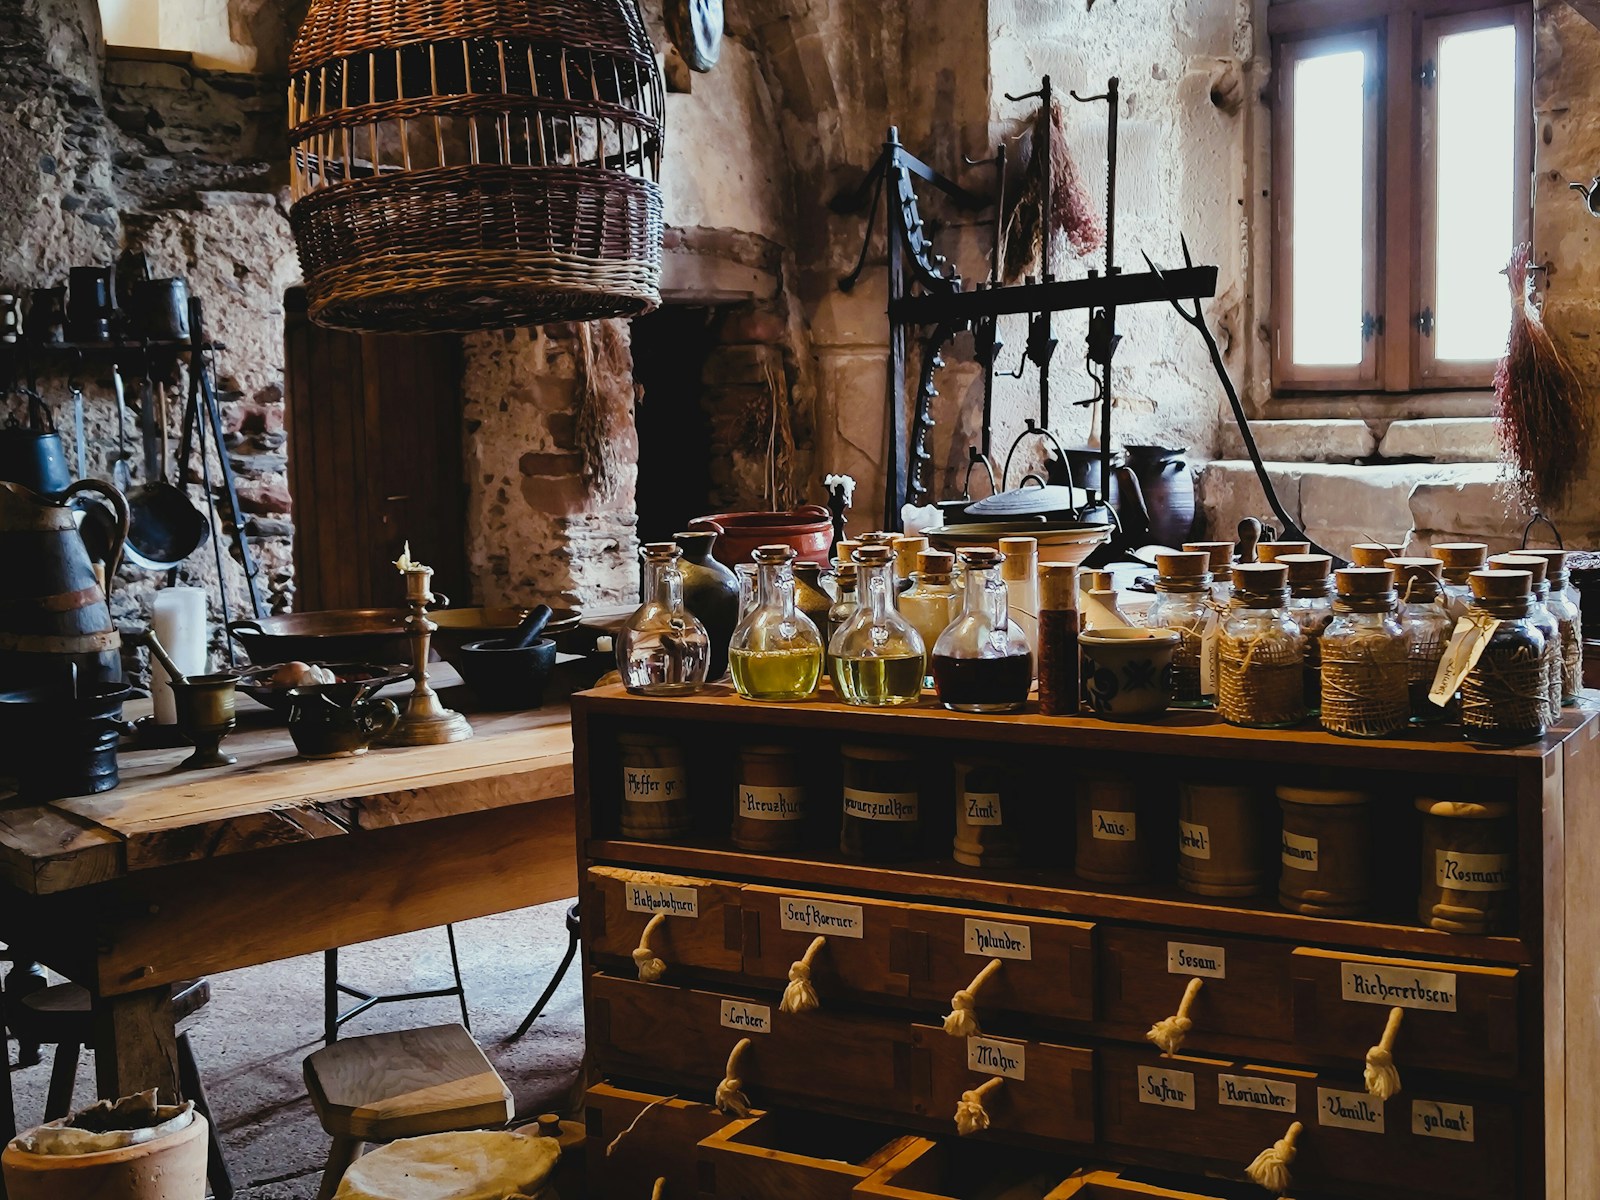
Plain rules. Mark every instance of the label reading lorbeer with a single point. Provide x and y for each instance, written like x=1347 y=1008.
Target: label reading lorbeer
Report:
x=880 y=806
x=993 y=939
x=1112 y=825
x=674 y=901
x=1473 y=872
x=1194 y=841
x=981 y=808
x=771 y=803
x=750 y=1018
x=653 y=785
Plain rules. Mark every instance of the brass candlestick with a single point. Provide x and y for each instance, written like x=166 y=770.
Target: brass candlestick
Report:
x=425 y=722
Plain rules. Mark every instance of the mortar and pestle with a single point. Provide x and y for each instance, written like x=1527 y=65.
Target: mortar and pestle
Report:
x=205 y=707
x=511 y=672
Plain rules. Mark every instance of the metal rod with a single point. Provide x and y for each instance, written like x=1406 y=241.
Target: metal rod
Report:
x=1191 y=283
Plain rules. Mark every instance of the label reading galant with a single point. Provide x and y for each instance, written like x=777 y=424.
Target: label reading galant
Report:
x=1435 y=1119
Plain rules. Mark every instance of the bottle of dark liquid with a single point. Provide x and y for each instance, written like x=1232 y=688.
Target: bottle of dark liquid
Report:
x=982 y=663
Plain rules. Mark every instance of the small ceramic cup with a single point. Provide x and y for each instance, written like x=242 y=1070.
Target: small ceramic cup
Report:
x=1128 y=672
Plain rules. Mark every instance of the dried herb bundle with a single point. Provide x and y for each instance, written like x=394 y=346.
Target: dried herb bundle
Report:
x=1544 y=431
x=1071 y=210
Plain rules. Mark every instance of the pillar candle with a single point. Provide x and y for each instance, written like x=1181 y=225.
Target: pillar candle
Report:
x=179 y=620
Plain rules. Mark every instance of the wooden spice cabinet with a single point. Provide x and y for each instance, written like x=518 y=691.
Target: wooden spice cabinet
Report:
x=1512 y=1046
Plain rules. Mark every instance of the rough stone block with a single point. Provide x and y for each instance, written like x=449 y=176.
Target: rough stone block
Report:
x=1443 y=439
x=1228 y=491
x=1304 y=440
x=1469 y=503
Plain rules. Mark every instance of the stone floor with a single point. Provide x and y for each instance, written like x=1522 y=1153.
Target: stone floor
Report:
x=264 y=1020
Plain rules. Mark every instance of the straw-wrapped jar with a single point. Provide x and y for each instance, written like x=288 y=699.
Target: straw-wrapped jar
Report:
x=1261 y=652
x=1545 y=620
x=1428 y=627
x=1503 y=696
x=1365 y=661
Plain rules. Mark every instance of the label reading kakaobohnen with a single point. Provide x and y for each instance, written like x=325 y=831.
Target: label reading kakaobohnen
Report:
x=674 y=901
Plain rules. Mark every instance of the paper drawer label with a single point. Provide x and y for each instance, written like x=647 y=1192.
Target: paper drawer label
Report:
x=749 y=1018
x=1366 y=983
x=1194 y=841
x=993 y=939
x=1249 y=1091
x=771 y=803
x=1112 y=825
x=880 y=806
x=1430 y=1118
x=653 y=785
x=1299 y=852
x=799 y=914
x=1349 y=1110
x=981 y=808
x=1185 y=958
x=1473 y=872
x=994 y=1057
x=674 y=901
x=1170 y=1089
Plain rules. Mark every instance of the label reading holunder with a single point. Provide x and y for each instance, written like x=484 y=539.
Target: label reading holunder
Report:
x=1453 y=1122
x=994 y=939
x=771 y=803
x=1349 y=1110
x=880 y=806
x=1250 y=1091
x=1194 y=841
x=800 y=914
x=748 y=1018
x=1473 y=872
x=1186 y=958
x=1112 y=825
x=653 y=785
x=981 y=808
x=1404 y=987
x=674 y=901
x=1170 y=1089
x=994 y=1057
x=1299 y=852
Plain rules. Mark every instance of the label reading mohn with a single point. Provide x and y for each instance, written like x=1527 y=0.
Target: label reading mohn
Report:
x=748 y=1018
x=771 y=803
x=653 y=785
x=801 y=914
x=994 y=1057
x=995 y=939
x=1112 y=825
x=674 y=901
x=880 y=806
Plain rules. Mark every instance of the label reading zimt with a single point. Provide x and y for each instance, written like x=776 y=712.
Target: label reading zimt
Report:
x=1185 y=958
x=1112 y=825
x=1299 y=852
x=800 y=914
x=653 y=785
x=1349 y=1110
x=993 y=939
x=994 y=1057
x=771 y=803
x=1430 y=1118
x=880 y=806
x=674 y=901
x=1250 y=1091
x=1404 y=987
x=748 y=1018
x=981 y=808
x=1170 y=1089
x=1194 y=841
x=1473 y=872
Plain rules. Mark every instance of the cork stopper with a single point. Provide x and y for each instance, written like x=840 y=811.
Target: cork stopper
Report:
x=1460 y=556
x=846 y=551
x=875 y=555
x=1102 y=581
x=1375 y=554
x=906 y=550
x=1423 y=570
x=1022 y=557
x=1364 y=581
x=879 y=538
x=1501 y=585
x=1183 y=564
x=1058 y=586
x=1537 y=567
x=935 y=564
x=845 y=573
x=1306 y=568
x=1260 y=578
x=1221 y=554
x=660 y=551
x=1271 y=552
x=776 y=553
x=981 y=557
x=1555 y=560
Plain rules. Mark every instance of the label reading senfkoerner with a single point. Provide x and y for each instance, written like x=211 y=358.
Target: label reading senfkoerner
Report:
x=771 y=803
x=1250 y=1091
x=653 y=785
x=1473 y=872
x=1194 y=841
x=880 y=806
x=674 y=901
x=1112 y=826
x=1299 y=852
x=995 y=939
x=994 y=1057
x=981 y=808
x=1366 y=983
x=1349 y=1110
x=1431 y=1118
x=799 y=914
x=1170 y=1089
x=749 y=1018
x=1185 y=958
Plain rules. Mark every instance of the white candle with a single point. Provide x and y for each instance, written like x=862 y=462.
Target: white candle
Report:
x=179 y=620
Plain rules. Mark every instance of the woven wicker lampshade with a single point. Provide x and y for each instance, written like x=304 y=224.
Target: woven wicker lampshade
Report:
x=475 y=164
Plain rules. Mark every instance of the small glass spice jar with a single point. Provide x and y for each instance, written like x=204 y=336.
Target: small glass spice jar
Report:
x=988 y=794
x=1311 y=606
x=982 y=662
x=1460 y=560
x=1428 y=628
x=1221 y=554
x=1563 y=605
x=655 y=788
x=1221 y=842
x=1261 y=652
x=1469 y=878
x=931 y=604
x=1112 y=844
x=1060 y=683
x=1326 y=848
x=882 y=812
x=1374 y=554
x=1271 y=552
x=1183 y=604
x=770 y=807
x=1365 y=658
x=1504 y=700
x=1544 y=619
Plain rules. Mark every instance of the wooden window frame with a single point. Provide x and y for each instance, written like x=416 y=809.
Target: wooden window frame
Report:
x=1399 y=259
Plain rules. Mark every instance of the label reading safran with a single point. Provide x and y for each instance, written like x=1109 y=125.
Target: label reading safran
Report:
x=1473 y=872
x=1349 y=1110
x=771 y=803
x=653 y=785
x=800 y=914
x=1114 y=825
x=880 y=806
x=1185 y=958
x=1405 y=987
x=674 y=901
x=994 y=1057
x=748 y=1018
x=1251 y=1091
x=992 y=939
x=1170 y=1089
x=1430 y=1118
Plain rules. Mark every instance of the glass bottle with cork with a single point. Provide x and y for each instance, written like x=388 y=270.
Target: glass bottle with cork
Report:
x=906 y=549
x=982 y=661
x=1183 y=604
x=1503 y=696
x=809 y=596
x=1311 y=606
x=1019 y=569
x=931 y=604
x=1060 y=679
x=776 y=650
x=1460 y=560
x=877 y=656
x=1221 y=567
x=663 y=650
x=1375 y=554
x=1261 y=652
x=1428 y=627
x=1365 y=659
x=1544 y=619
x=1562 y=602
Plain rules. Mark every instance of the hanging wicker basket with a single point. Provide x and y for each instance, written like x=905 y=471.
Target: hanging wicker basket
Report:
x=475 y=164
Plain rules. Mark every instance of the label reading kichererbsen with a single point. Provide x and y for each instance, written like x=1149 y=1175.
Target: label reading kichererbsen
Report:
x=1170 y=1089
x=771 y=803
x=992 y=1056
x=1403 y=987
x=801 y=914
x=1436 y=1119
x=674 y=901
x=653 y=785
x=1194 y=841
x=1349 y=1110
x=1251 y=1091
x=1112 y=825
x=1473 y=872
x=1299 y=852
x=981 y=808
x=747 y=1018
x=880 y=806
x=996 y=939
x=1187 y=958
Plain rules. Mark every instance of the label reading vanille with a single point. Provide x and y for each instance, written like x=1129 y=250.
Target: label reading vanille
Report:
x=771 y=803
x=1250 y=1091
x=1299 y=852
x=994 y=1057
x=1453 y=1122
x=1112 y=825
x=1473 y=872
x=1403 y=987
x=1194 y=841
x=1170 y=1089
x=1185 y=958
x=981 y=808
x=800 y=914
x=1349 y=1110
x=992 y=939
x=880 y=806
x=747 y=1018
x=674 y=901
x=653 y=785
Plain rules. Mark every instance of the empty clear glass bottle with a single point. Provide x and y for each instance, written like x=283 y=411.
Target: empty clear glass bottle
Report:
x=982 y=661
x=1365 y=658
x=1261 y=652
x=776 y=650
x=877 y=656
x=663 y=650
x=1183 y=604
x=839 y=613
x=1311 y=606
x=809 y=596
x=931 y=604
x=1428 y=627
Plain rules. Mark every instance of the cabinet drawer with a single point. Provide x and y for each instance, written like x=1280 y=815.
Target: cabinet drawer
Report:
x=1456 y=1018
x=866 y=954
x=951 y=1169
x=701 y=930
x=1123 y=1185
x=683 y=1036
x=1044 y=1091
x=794 y=1154
x=661 y=1144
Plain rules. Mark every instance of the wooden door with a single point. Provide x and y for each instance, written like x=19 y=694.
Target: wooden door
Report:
x=374 y=428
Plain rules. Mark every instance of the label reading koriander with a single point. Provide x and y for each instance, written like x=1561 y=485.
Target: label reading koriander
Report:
x=1349 y=1110
x=653 y=785
x=993 y=939
x=994 y=1057
x=674 y=901
x=771 y=803
x=1436 y=1119
x=981 y=808
x=800 y=914
x=1194 y=841
x=1185 y=958
x=1473 y=872
x=749 y=1018
x=1112 y=826
x=880 y=806
x=1250 y=1091
x=1299 y=852
x=1170 y=1089
x=1405 y=987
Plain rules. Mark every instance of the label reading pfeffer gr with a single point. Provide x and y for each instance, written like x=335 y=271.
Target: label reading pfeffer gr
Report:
x=653 y=785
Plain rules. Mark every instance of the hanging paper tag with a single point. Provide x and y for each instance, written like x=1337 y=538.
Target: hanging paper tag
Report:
x=1209 y=643
x=1466 y=647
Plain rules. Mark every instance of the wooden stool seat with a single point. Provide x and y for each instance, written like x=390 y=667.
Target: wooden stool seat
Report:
x=64 y=1013
x=478 y=1165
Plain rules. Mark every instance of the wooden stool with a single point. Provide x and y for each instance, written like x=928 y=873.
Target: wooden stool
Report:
x=475 y=1165
x=384 y=1086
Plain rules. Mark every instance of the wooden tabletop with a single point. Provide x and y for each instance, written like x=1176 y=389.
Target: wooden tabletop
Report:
x=160 y=816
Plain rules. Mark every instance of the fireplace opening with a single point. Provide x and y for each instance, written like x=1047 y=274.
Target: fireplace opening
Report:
x=671 y=347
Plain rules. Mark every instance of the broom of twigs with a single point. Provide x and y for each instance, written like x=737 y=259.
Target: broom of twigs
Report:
x=1071 y=209
x=1539 y=415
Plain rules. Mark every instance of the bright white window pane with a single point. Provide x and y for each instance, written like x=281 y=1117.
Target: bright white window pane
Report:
x=1329 y=125
x=1476 y=152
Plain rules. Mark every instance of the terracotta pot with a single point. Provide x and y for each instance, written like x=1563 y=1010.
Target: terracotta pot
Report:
x=170 y=1168
x=710 y=592
x=809 y=529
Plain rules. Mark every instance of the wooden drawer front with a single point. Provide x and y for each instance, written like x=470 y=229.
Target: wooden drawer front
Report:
x=1456 y=1018
x=794 y=1154
x=1046 y=970
x=867 y=951
x=1121 y=1185
x=683 y=1036
x=701 y=931
x=1045 y=1091
x=955 y=1169
x=1243 y=999
x=661 y=1144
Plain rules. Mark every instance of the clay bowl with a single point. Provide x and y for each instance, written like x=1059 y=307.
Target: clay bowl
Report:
x=458 y=626
x=1059 y=541
x=355 y=681
x=504 y=678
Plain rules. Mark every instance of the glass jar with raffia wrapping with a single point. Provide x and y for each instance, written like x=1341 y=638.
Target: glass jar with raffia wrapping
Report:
x=1563 y=606
x=1183 y=604
x=1261 y=652
x=1503 y=697
x=1428 y=627
x=1311 y=606
x=1365 y=661
x=1545 y=620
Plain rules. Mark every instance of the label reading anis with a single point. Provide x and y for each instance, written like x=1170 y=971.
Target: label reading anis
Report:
x=981 y=808
x=1349 y=1110
x=771 y=803
x=1473 y=872
x=748 y=1018
x=994 y=1057
x=1184 y=958
x=880 y=806
x=801 y=914
x=1249 y=1091
x=1366 y=983
x=1430 y=1118
x=993 y=939
x=674 y=901
x=653 y=785
x=1194 y=841
x=1112 y=825
x=1299 y=852
x=1170 y=1089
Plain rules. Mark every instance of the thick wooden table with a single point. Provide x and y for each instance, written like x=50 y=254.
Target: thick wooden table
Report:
x=177 y=874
